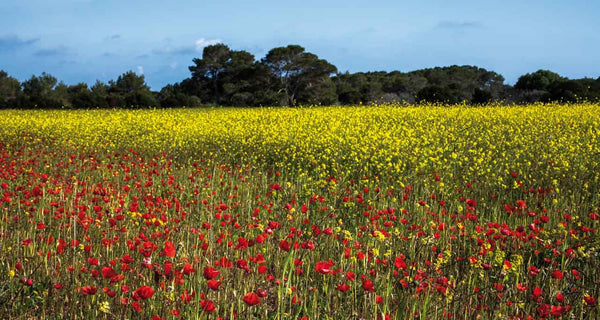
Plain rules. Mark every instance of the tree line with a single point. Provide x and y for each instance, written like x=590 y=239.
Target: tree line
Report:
x=292 y=76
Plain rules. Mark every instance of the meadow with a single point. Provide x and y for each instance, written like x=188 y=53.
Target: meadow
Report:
x=365 y=212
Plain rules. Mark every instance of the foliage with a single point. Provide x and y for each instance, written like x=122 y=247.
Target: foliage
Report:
x=539 y=80
x=302 y=75
x=10 y=90
x=291 y=76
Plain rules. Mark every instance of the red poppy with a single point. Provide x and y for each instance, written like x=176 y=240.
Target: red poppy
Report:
x=558 y=310
x=169 y=250
x=368 y=285
x=208 y=306
x=261 y=292
x=188 y=269
x=109 y=292
x=589 y=300
x=214 y=284
x=262 y=269
x=143 y=292
x=284 y=245
x=343 y=287
x=251 y=299
x=533 y=271
x=136 y=306
x=543 y=310
x=324 y=267
x=88 y=290
x=537 y=291
x=399 y=263
x=557 y=274
x=211 y=273
x=108 y=272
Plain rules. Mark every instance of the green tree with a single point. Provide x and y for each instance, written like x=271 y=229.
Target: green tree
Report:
x=481 y=96
x=461 y=81
x=351 y=87
x=567 y=91
x=61 y=94
x=10 y=91
x=80 y=96
x=100 y=95
x=40 y=92
x=172 y=95
x=131 y=90
x=219 y=62
x=539 y=80
x=297 y=72
x=438 y=94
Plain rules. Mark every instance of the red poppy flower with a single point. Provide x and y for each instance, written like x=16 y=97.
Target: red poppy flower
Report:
x=323 y=267
x=109 y=292
x=169 y=250
x=108 y=272
x=261 y=292
x=262 y=269
x=558 y=310
x=143 y=292
x=211 y=273
x=399 y=263
x=343 y=287
x=543 y=310
x=368 y=285
x=208 y=306
x=537 y=291
x=88 y=290
x=136 y=306
x=214 y=284
x=284 y=245
x=557 y=274
x=533 y=271
x=251 y=299
x=589 y=300
x=188 y=269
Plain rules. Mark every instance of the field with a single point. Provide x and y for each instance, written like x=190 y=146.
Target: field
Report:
x=367 y=212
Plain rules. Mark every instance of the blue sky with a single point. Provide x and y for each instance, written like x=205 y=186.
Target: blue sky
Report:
x=85 y=40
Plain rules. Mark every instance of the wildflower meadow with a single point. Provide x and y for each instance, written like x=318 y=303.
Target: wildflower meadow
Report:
x=365 y=212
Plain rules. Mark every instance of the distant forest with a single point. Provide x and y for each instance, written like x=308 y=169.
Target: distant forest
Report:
x=290 y=76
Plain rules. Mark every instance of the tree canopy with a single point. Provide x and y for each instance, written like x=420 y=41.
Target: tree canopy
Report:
x=302 y=76
x=291 y=76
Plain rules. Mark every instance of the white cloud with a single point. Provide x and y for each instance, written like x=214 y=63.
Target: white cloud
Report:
x=173 y=65
x=201 y=43
x=140 y=70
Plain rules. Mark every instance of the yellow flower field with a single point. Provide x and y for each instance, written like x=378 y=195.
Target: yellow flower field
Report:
x=376 y=212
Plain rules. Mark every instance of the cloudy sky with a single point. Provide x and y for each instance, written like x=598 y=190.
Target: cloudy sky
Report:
x=85 y=40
